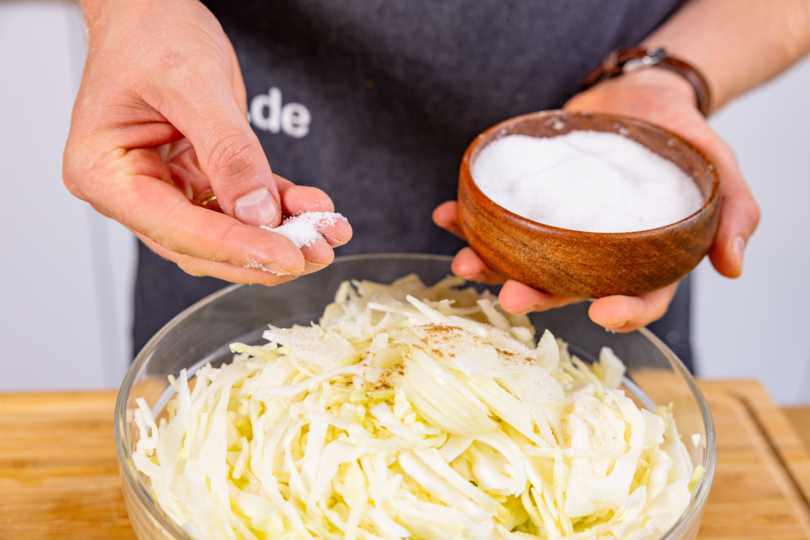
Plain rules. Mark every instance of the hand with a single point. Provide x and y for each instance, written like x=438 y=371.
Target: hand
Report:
x=160 y=119
x=664 y=99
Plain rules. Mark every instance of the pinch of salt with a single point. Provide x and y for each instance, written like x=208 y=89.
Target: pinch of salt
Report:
x=585 y=181
x=303 y=229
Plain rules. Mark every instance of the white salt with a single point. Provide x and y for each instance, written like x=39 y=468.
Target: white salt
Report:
x=585 y=181
x=303 y=229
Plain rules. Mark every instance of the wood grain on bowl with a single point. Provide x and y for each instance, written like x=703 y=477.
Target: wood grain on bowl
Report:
x=586 y=264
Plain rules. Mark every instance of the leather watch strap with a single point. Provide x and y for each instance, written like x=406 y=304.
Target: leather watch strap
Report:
x=623 y=61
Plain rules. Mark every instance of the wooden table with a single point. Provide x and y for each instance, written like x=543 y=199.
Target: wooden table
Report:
x=800 y=418
x=59 y=474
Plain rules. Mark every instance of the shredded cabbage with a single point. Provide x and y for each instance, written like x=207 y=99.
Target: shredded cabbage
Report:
x=413 y=412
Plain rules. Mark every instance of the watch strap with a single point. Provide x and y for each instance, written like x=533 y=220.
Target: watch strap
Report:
x=622 y=61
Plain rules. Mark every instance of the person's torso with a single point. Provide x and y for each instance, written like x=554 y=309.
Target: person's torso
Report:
x=375 y=101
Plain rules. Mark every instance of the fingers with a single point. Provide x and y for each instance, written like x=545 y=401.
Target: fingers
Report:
x=227 y=249
x=298 y=199
x=663 y=98
x=202 y=268
x=336 y=234
x=170 y=115
x=187 y=176
x=182 y=161
x=318 y=253
x=739 y=213
x=616 y=313
x=446 y=216
x=185 y=229
x=517 y=298
x=191 y=232
x=239 y=90
x=202 y=104
x=628 y=313
x=468 y=265
x=514 y=297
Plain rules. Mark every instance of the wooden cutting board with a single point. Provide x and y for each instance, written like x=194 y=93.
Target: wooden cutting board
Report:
x=59 y=474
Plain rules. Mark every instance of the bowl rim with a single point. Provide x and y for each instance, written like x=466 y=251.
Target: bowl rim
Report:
x=130 y=476
x=475 y=147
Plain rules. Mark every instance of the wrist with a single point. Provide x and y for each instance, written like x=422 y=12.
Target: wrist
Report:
x=100 y=13
x=659 y=80
x=93 y=10
x=620 y=63
x=636 y=94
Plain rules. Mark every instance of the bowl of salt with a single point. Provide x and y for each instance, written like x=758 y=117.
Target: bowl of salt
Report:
x=588 y=205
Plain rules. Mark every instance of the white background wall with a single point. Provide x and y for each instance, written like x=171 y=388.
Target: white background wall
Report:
x=67 y=272
x=759 y=325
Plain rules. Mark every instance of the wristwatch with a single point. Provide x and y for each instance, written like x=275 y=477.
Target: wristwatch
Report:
x=622 y=61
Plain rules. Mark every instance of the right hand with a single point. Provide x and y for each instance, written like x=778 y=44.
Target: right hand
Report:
x=161 y=117
x=667 y=100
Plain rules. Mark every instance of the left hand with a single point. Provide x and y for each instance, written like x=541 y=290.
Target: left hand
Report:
x=661 y=98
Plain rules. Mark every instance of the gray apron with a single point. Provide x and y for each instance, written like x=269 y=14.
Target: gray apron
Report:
x=375 y=101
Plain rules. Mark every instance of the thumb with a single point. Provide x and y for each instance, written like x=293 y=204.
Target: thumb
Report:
x=739 y=214
x=228 y=150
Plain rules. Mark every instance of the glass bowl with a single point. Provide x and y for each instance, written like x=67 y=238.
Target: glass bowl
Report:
x=203 y=332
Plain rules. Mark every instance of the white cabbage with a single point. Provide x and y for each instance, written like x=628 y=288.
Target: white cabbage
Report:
x=413 y=412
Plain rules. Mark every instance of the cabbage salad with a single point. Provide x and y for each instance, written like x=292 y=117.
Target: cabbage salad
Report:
x=413 y=412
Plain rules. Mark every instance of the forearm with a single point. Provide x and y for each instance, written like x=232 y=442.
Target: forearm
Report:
x=737 y=44
x=99 y=14
x=95 y=10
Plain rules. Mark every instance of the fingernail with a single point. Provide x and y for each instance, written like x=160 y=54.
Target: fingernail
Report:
x=312 y=267
x=333 y=242
x=474 y=277
x=614 y=326
x=257 y=208
x=739 y=247
x=277 y=270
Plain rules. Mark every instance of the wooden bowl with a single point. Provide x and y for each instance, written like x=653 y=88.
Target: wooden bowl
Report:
x=587 y=264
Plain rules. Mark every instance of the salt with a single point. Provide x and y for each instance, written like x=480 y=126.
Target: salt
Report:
x=303 y=229
x=585 y=181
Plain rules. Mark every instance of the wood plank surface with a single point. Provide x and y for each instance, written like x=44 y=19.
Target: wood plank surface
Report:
x=58 y=468
x=753 y=494
x=800 y=418
x=59 y=473
x=777 y=429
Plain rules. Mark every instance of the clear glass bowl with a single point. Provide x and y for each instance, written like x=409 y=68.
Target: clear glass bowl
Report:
x=203 y=332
